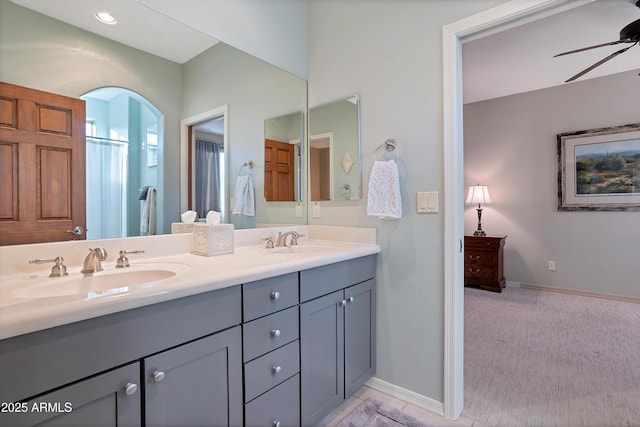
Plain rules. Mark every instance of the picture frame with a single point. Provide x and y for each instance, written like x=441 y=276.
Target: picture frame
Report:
x=599 y=169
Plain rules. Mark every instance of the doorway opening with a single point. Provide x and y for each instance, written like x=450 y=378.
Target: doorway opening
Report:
x=124 y=138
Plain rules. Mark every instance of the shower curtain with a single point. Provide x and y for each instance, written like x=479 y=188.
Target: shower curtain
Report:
x=209 y=158
x=106 y=197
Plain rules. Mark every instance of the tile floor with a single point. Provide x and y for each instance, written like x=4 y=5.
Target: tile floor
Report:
x=428 y=417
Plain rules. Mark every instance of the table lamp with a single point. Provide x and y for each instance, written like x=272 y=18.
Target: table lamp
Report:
x=478 y=194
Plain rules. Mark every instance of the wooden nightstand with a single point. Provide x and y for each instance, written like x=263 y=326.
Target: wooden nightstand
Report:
x=483 y=261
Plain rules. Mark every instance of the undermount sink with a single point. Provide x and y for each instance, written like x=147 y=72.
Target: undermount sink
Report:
x=92 y=286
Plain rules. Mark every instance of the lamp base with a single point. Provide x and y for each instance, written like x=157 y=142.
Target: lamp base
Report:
x=480 y=233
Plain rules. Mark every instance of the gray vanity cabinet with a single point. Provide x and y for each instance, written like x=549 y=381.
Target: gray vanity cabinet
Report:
x=337 y=334
x=196 y=384
x=101 y=399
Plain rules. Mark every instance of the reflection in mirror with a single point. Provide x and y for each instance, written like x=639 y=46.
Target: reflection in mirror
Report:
x=209 y=167
x=283 y=158
x=122 y=143
x=334 y=150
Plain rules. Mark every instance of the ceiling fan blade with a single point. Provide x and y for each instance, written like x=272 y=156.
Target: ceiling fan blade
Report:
x=593 y=47
x=599 y=63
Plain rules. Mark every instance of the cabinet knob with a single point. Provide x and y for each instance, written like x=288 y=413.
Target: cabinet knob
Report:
x=276 y=370
x=351 y=299
x=275 y=332
x=275 y=295
x=276 y=424
x=130 y=389
x=157 y=376
x=342 y=303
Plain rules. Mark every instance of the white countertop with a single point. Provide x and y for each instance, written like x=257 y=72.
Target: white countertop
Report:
x=194 y=274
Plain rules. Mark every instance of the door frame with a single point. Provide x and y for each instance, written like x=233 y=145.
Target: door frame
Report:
x=494 y=20
x=185 y=161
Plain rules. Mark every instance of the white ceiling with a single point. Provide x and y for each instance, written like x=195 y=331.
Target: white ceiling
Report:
x=521 y=59
x=508 y=62
x=138 y=26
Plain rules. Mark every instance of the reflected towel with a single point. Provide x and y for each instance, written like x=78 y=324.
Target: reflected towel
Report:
x=148 y=213
x=244 y=197
x=383 y=198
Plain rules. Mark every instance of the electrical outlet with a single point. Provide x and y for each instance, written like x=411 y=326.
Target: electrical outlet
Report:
x=551 y=265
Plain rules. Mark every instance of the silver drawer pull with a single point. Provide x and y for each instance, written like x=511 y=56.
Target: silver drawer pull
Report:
x=276 y=424
x=130 y=389
x=474 y=257
x=351 y=299
x=275 y=332
x=275 y=295
x=476 y=271
x=276 y=370
x=157 y=376
x=342 y=303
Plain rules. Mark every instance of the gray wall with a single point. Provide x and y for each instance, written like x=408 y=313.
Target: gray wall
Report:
x=510 y=145
x=390 y=53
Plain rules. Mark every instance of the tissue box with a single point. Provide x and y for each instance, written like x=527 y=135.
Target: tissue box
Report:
x=181 y=227
x=209 y=239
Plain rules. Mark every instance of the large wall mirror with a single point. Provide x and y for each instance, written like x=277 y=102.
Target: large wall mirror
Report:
x=56 y=57
x=334 y=151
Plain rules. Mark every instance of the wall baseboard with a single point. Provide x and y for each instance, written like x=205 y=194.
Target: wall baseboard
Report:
x=408 y=396
x=603 y=295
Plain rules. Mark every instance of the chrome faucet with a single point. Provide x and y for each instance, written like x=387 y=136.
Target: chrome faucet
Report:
x=93 y=261
x=282 y=238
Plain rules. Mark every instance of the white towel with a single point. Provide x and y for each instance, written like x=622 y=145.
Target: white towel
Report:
x=384 y=190
x=148 y=213
x=244 y=202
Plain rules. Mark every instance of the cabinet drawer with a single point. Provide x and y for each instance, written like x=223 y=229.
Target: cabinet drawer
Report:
x=479 y=272
x=479 y=258
x=262 y=335
x=324 y=280
x=270 y=370
x=269 y=295
x=279 y=405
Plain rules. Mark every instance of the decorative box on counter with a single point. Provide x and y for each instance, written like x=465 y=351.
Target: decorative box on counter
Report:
x=181 y=227
x=209 y=239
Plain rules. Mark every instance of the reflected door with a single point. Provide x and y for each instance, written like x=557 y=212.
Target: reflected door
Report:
x=278 y=171
x=42 y=166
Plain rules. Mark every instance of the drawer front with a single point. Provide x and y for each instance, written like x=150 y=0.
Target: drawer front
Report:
x=263 y=335
x=324 y=280
x=269 y=295
x=270 y=370
x=279 y=405
x=493 y=243
x=472 y=258
x=481 y=272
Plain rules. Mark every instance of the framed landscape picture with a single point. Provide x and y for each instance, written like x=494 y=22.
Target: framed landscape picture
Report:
x=599 y=169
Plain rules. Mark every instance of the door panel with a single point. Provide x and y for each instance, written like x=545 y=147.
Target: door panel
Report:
x=42 y=154
x=279 y=171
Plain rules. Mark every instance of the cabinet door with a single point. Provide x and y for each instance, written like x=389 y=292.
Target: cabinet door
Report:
x=322 y=356
x=196 y=384
x=359 y=335
x=98 y=401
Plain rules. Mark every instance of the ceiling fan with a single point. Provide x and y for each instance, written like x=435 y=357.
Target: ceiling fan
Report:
x=629 y=34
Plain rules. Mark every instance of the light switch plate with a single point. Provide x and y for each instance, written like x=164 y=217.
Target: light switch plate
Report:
x=317 y=212
x=427 y=202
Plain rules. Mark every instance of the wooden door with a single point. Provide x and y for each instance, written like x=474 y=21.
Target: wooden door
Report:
x=42 y=166
x=278 y=171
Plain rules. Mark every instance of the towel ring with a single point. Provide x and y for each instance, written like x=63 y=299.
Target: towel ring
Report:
x=390 y=146
x=248 y=164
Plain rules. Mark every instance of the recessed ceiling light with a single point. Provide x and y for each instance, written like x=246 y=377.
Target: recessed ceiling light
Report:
x=106 y=18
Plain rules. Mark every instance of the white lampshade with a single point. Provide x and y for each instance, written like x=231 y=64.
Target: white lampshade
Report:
x=478 y=194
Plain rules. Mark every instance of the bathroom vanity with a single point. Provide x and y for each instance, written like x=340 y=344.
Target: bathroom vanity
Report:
x=282 y=350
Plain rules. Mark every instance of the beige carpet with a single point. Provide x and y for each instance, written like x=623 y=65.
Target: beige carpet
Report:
x=538 y=358
x=372 y=413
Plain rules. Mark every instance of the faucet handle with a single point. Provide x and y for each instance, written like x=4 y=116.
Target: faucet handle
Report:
x=268 y=242
x=58 y=270
x=123 y=261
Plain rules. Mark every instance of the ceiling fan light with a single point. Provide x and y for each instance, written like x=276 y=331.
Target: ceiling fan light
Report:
x=106 y=18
